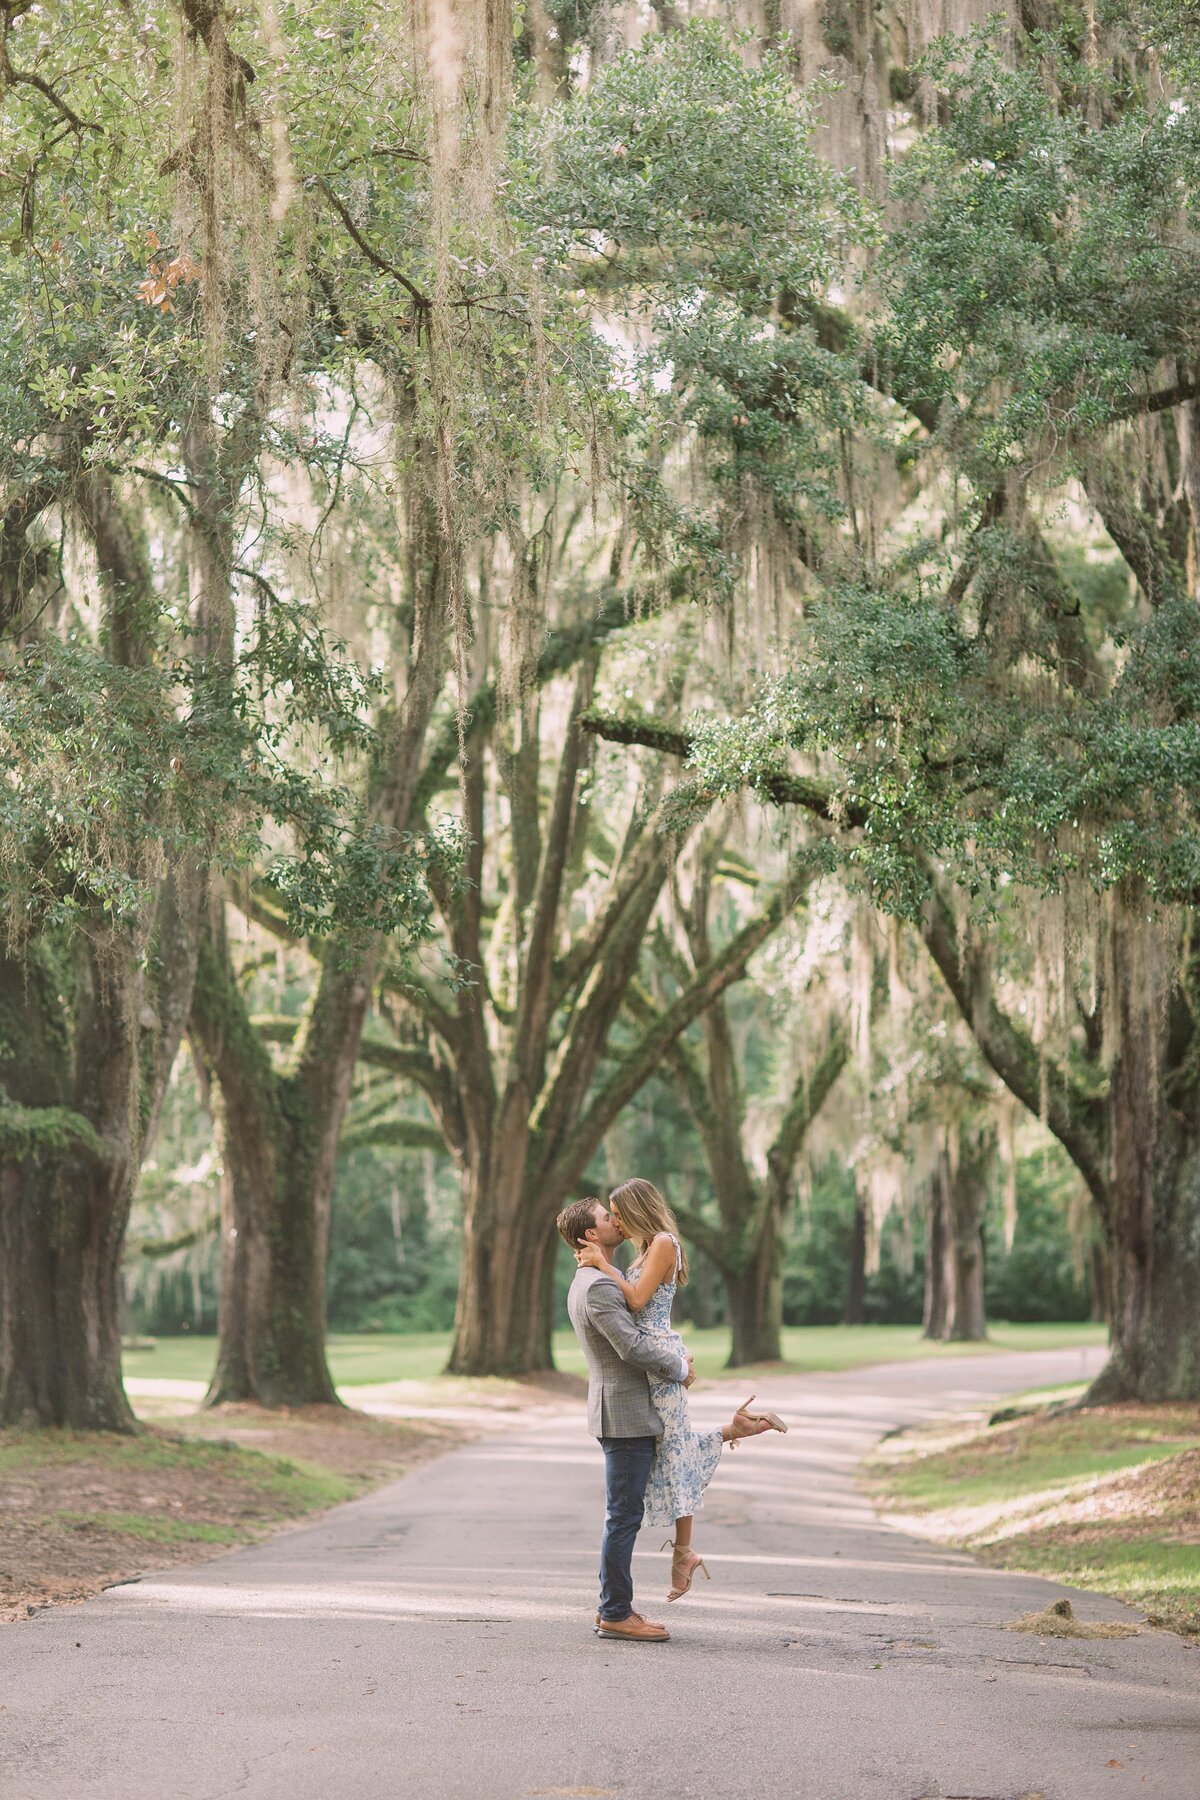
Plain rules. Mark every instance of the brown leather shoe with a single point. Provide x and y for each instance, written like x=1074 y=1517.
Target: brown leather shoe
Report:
x=639 y=1630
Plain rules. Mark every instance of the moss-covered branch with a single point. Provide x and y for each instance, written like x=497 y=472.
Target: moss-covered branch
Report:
x=400 y=1134
x=1068 y=1112
x=811 y=1090
x=156 y=1248
x=31 y=1131
x=778 y=785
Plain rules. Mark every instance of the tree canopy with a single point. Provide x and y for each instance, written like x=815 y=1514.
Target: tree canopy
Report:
x=504 y=531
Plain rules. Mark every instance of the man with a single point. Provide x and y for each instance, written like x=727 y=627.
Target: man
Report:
x=620 y=1356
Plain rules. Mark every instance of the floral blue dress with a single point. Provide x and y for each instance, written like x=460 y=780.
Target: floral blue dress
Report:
x=686 y=1460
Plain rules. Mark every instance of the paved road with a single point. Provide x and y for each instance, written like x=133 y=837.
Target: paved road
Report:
x=433 y=1642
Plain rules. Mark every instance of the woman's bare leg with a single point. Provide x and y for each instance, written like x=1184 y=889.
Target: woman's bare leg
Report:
x=684 y=1562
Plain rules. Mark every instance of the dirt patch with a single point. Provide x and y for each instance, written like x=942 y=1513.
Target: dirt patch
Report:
x=1059 y=1621
x=338 y=1439
x=82 y=1511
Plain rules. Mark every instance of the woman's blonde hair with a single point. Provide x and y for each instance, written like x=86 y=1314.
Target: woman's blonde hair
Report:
x=643 y=1214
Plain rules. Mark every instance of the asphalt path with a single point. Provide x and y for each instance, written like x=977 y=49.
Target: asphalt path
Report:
x=434 y=1642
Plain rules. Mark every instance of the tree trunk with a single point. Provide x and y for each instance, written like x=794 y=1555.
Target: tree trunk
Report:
x=279 y=1132
x=705 y=1294
x=1155 y=1283
x=61 y=1225
x=68 y=1161
x=933 y=1323
x=1098 y=1311
x=755 y=1294
x=1150 y=1197
x=968 y=1196
x=1152 y=1231
x=954 y=1240
x=1138 y=1149
x=274 y=1207
x=502 y=1323
x=856 y=1292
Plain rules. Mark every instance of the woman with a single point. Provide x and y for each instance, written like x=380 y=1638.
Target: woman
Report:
x=686 y=1460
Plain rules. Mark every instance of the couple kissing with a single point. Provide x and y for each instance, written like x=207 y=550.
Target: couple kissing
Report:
x=656 y=1466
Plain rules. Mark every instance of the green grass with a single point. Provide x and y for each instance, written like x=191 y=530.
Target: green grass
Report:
x=1018 y=1495
x=1161 y=1577
x=1033 y=1455
x=284 y=1487
x=1036 y=1454
x=390 y=1356
x=24 y=1451
x=153 y=1530
x=926 y=1488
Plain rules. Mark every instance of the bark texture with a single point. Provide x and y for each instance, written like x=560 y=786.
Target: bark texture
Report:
x=954 y=1265
x=856 y=1286
x=271 y=1341
x=66 y=1178
x=1150 y=1200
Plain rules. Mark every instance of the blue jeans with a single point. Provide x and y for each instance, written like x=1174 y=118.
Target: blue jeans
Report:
x=627 y=1469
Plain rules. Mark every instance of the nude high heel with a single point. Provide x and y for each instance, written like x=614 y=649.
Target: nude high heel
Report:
x=679 y=1551
x=758 y=1417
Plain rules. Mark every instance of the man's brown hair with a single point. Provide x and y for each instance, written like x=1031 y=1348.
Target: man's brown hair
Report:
x=574 y=1220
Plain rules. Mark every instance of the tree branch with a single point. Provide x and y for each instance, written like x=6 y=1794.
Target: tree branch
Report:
x=404 y=1134
x=705 y=1235
x=1159 y=399
x=563 y=649
x=24 y=1130
x=638 y=1064
x=24 y=78
x=1137 y=538
x=685 y=1069
x=154 y=1248
x=777 y=785
x=590 y=942
x=809 y=1095
x=416 y=1065
x=535 y=1004
x=565 y=1092
x=1009 y=1052
x=421 y=301
x=423 y=1000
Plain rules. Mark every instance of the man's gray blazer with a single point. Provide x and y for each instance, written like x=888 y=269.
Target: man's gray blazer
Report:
x=620 y=1355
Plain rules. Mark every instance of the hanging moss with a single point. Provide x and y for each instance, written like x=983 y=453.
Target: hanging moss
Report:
x=34 y=1040
x=837 y=28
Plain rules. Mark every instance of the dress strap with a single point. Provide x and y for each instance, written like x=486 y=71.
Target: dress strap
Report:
x=678 y=1251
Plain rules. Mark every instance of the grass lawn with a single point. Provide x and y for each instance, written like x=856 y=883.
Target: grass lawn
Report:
x=1106 y=1499
x=389 y=1356
x=85 y=1509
